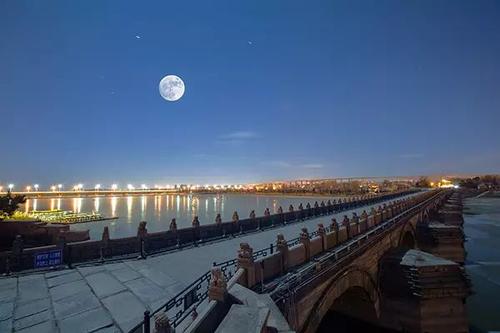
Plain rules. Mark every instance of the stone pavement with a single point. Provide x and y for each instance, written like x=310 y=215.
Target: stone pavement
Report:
x=113 y=297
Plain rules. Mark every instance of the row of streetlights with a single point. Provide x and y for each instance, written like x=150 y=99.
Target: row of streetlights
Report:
x=77 y=187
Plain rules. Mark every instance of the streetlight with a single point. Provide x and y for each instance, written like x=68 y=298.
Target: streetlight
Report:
x=130 y=187
x=114 y=187
x=11 y=186
x=59 y=187
x=97 y=187
x=143 y=186
x=53 y=188
x=1 y=188
x=28 y=188
x=80 y=186
x=36 y=187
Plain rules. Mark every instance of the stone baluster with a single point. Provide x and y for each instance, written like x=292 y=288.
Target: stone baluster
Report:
x=217 y=291
x=104 y=242
x=282 y=248
x=162 y=323
x=306 y=241
x=246 y=261
x=218 y=219
x=322 y=235
x=173 y=225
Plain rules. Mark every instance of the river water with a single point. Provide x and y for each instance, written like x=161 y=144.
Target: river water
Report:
x=482 y=230
x=158 y=210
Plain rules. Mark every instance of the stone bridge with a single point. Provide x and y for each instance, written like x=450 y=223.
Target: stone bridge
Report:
x=369 y=269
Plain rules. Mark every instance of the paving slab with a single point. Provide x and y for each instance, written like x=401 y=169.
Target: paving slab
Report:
x=75 y=304
x=88 y=321
x=115 y=266
x=57 y=273
x=126 y=309
x=32 y=287
x=45 y=327
x=32 y=320
x=6 y=325
x=8 y=289
x=125 y=274
x=147 y=291
x=31 y=307
x=69 y=289
x=87 y=270
x=6 y=310
x=64 y=278
x=104 y=284
x=147 y=269
x=111 y=329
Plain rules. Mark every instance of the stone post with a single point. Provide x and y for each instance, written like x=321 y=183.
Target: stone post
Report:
x=282 y=248
x=346 y=224
x=334 y=227
x=17 y=252
x=142 y=233
x=104 y=242
x=173 y=225
x=306 y=241
x=245 y=261
x=217 y=291
x=218 y=219
x=162 y=324
x=322 y=234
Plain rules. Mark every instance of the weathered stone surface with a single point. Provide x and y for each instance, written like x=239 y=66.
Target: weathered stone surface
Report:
x=6 y=325
x=75 y=304
x=64 y=278
x=8 y=289
x=104 y=284
x=31 y=307
x=32 y=287
x=125 y=274
x=44 y=327
x=57 y=273
x=32 y=320
x=242 y=318
x=69 y=289
x=147 y=291
x=88 y=321
x=126 y=309
x=91 y=269
x=6 y=310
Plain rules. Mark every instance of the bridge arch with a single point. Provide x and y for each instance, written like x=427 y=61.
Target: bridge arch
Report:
x=353 y=289
x=407 y=237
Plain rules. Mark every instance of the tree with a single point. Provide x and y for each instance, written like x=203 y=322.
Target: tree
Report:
x=423 y=182
x=9 y=204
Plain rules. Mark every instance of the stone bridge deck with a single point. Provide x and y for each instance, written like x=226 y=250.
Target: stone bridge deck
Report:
x=112 y=297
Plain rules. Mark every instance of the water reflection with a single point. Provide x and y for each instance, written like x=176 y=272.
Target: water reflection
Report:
x=114 y=200
x=159 y=214
x=97 y=202
x=130 y=201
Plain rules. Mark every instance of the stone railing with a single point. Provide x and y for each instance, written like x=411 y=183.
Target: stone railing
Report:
x=251 y=269
x=145 y=243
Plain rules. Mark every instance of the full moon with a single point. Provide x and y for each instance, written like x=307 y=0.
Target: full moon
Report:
x=171 y=88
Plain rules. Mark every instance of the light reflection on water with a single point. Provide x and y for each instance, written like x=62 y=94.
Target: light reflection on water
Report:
x=158 y=210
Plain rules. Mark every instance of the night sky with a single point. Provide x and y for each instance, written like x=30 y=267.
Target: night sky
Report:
x=274 y=90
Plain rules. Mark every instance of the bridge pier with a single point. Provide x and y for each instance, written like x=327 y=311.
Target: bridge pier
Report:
x=423 y=293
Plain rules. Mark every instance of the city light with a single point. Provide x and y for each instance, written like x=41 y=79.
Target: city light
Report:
x=36 y=187
x=97 y=187
x=53 y=188
x=59 y=186
x=80 y=186
x=130 y=187
x=28 y=188
x=114 y=187
x=1 y=188
x=143 y=186
x=11 y=186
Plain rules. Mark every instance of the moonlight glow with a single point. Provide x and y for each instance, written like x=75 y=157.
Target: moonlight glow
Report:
x=171 y=88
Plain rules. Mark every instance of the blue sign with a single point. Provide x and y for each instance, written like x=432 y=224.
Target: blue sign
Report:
x=50 y=258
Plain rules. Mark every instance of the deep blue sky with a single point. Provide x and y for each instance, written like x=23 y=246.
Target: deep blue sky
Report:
x=274 y=89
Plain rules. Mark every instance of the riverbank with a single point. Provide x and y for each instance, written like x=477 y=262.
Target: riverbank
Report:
x=482 y=230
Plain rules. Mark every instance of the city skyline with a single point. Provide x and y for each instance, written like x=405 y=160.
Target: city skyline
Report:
x=319 y=90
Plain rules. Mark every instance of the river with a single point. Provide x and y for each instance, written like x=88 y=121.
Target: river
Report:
x=158 y=210
x=482 y=230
